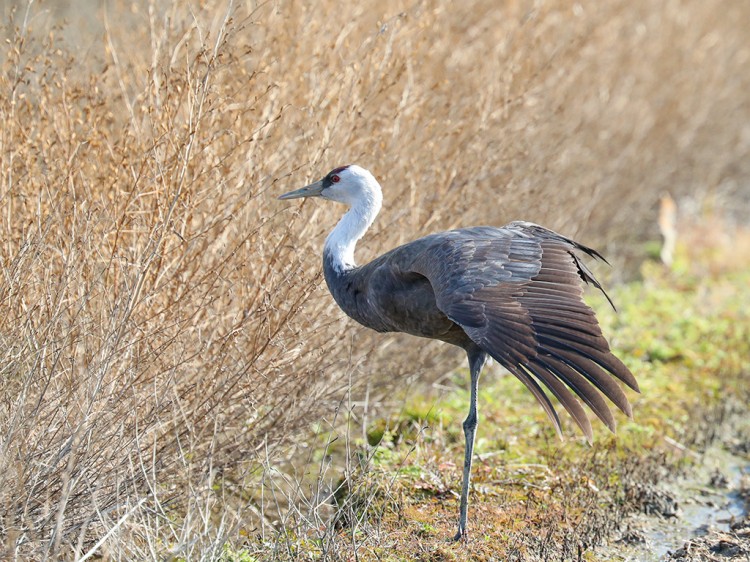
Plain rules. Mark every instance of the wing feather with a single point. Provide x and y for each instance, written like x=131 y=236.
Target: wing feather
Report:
x=563 y=395
x=580 y=366
x=539 y=394
x=607 y=361
x=584 y=389
x=517 y=293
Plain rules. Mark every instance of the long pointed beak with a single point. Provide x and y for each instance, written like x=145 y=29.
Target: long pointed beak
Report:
x=312 y=190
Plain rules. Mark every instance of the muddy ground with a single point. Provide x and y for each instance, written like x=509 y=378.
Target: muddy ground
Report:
x=700 y=515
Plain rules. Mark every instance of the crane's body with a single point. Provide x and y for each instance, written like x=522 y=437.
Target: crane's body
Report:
x=512 y=293
x=388 y=295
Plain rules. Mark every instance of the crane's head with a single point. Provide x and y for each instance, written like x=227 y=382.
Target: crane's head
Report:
x=351 y=185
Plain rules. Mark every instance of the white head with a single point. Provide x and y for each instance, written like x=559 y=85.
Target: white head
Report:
x=357 y=188
x=352 y=185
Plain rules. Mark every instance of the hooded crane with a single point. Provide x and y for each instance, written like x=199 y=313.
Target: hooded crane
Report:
x=512 y=293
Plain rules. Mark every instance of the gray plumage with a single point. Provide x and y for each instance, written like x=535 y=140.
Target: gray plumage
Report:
x=512 y=293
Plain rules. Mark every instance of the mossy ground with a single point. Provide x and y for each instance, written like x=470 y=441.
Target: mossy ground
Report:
x=684 y=331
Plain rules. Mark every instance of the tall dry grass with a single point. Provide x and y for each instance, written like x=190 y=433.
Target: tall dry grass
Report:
x=164 y=333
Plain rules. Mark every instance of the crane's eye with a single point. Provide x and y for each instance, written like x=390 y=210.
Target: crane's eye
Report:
x=335 y=178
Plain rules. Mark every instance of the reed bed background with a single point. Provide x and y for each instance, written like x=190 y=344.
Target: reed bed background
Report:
x=164 y=336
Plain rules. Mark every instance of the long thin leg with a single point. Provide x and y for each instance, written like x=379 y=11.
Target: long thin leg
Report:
x=477 y=358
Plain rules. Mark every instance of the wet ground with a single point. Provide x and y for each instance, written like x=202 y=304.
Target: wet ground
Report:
x=701 y=516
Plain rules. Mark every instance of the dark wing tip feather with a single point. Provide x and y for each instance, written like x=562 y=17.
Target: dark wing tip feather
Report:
x=585 y=390
x=588 y=277
x=582 y=373
x=588 y=251
x=537 y=391
x=603 y=358
x=563 y=395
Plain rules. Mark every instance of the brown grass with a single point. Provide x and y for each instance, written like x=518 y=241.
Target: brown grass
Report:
x=163 y=328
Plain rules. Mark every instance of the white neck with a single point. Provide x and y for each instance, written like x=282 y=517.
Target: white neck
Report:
x=342 y=240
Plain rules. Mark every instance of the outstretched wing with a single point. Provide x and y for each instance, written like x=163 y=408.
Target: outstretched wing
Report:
x=517 y=292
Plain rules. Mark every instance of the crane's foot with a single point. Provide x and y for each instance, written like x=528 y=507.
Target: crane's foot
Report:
x=461 y=535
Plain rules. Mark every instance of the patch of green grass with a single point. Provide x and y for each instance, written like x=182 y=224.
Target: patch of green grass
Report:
x=229 y=554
